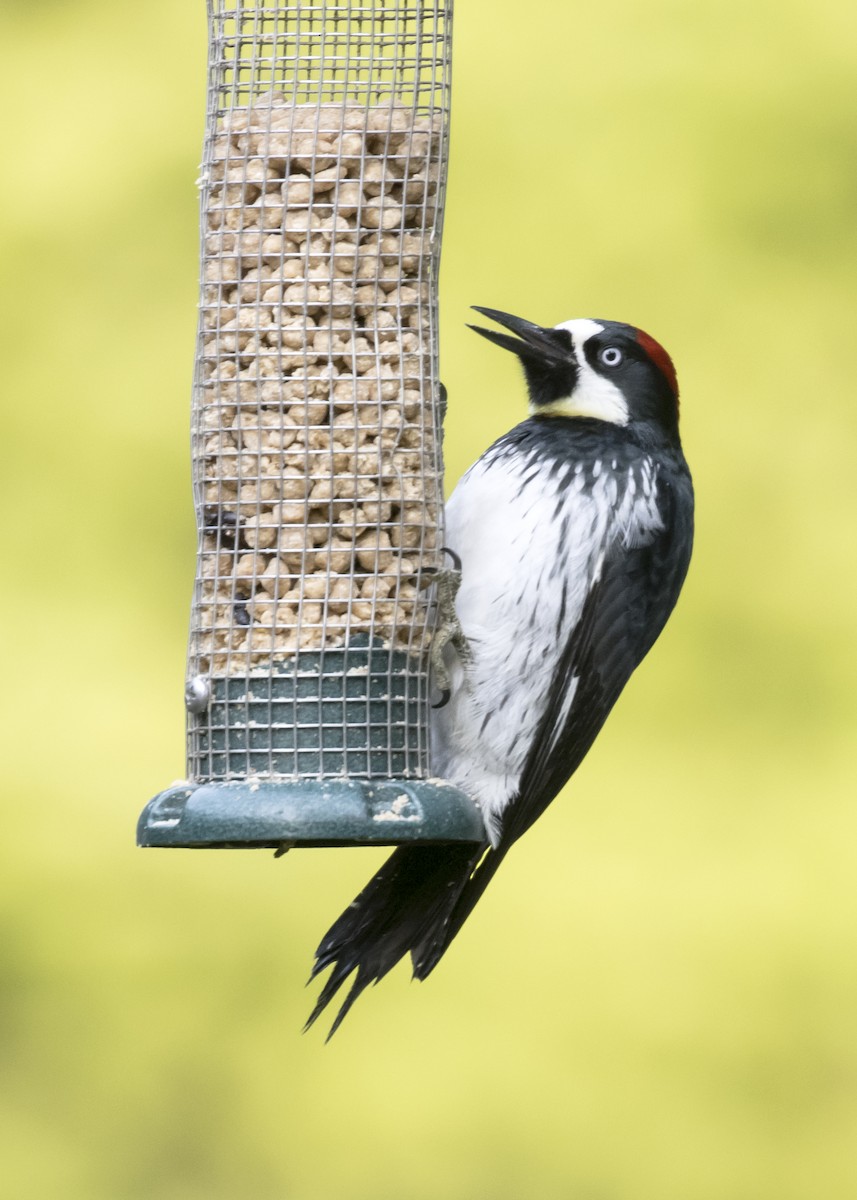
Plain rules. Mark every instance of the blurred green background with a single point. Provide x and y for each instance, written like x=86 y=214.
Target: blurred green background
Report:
x=658 y=996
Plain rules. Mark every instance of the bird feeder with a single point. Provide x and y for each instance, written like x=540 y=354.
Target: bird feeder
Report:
x=316 y=433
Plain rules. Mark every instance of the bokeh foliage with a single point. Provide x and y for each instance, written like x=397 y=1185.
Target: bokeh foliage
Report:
x=657 y=996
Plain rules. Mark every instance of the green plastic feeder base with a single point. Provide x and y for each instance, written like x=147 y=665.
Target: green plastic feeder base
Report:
x=322 y=751
x=279 y=814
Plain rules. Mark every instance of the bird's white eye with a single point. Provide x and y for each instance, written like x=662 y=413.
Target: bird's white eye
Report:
x=611 y=356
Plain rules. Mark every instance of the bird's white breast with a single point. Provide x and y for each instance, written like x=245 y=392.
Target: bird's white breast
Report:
x=531 y=547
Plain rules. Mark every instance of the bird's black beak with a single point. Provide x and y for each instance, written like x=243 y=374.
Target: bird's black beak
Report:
x=533 y=341
x=547 y=354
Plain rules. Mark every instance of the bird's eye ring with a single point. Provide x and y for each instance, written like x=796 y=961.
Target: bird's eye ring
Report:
x=611 y=356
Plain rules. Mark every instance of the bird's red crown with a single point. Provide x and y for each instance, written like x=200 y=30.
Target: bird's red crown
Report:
x=660 y=358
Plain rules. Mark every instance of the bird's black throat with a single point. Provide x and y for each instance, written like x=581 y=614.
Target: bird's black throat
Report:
x=548 y=381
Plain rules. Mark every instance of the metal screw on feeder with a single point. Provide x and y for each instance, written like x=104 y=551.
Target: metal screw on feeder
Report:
x=317 y=430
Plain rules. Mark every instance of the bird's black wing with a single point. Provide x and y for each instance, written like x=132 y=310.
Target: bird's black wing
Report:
x=623 y=615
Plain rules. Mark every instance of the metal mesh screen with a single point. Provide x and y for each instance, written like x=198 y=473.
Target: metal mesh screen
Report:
x=316 y=413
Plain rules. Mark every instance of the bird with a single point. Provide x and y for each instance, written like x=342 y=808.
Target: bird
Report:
x=573 y=535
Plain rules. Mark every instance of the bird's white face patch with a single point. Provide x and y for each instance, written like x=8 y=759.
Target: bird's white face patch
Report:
x=593 y=395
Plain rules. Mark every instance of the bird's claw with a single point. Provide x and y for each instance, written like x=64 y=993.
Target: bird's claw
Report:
x=446 y=581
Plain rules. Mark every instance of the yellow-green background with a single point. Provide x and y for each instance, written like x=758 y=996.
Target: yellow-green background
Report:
x=658 y=996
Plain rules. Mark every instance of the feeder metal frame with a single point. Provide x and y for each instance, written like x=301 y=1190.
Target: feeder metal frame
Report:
x=317 y=427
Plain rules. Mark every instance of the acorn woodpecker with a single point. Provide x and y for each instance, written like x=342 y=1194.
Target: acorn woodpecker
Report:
x=574 y=535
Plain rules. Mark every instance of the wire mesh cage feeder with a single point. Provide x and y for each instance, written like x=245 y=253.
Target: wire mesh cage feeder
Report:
x=316 y=433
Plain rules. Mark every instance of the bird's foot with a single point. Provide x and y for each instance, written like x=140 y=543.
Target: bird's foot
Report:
x=446 y=582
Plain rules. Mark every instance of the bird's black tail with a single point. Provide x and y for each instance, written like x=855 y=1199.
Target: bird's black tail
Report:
x=416 y=903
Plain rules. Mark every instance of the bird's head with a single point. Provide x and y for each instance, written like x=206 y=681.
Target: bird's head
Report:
x=604 y=370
